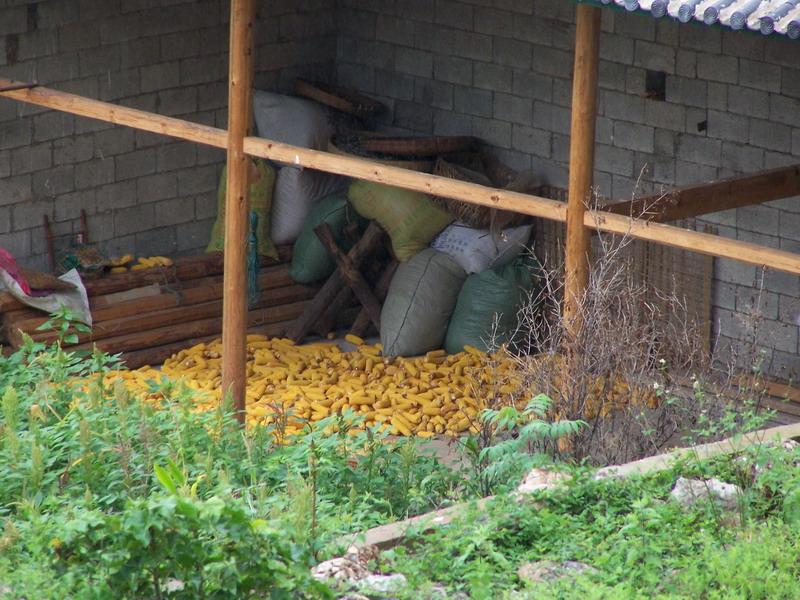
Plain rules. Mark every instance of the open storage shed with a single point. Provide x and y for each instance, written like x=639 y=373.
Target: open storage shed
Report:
x=589 y=99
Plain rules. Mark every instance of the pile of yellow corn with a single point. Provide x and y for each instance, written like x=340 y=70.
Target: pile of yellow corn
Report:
x=595 y=395
x=121 y=264
x=289 y=385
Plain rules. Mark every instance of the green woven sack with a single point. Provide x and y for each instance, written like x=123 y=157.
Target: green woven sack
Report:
x=262 y=183
x=489 y=295
x=410 y=218
x=310 y=260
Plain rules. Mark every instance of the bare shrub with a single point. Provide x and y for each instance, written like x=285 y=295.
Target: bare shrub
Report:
x=638 y=371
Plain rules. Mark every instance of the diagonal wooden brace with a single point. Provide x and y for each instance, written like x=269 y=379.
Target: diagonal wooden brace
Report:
x=330 y=290
x=361 y=325
x=12 y=87
x=352 y=276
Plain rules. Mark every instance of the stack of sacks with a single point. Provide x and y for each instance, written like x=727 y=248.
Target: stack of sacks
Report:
x=301 y=123
x=428 y=304
x=424 y=289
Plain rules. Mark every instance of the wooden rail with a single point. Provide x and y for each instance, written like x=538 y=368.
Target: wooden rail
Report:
x=440 y=186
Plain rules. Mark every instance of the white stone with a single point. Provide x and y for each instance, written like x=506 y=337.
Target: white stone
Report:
x=687 y=492
x=341 y=569
x=384 y=584
x=174 y=585
x=540 y=479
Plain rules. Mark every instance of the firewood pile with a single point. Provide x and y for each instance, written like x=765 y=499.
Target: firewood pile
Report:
x=150 y=314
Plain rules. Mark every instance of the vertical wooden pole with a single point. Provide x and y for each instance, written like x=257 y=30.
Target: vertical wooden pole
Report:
x=234 y=304
x=581 y=162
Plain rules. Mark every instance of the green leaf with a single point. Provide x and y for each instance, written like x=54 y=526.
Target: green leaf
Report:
x=165 y=479
x=176 y=474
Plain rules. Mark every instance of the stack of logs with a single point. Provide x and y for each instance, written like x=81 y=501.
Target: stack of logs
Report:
x=149 y=315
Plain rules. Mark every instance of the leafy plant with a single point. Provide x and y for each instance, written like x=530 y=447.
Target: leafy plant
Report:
x=511 y=443
x=66 y=325
x=178 y=547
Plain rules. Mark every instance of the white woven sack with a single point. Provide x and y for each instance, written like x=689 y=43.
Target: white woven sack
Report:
x=476 y=250
x=296 y=193
x=291 y=120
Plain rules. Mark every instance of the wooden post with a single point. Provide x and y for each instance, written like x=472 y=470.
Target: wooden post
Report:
x=234 y=305
x=581 y=162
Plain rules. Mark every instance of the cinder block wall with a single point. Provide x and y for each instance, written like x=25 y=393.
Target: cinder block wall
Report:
x=142 y=193
x=501 y=70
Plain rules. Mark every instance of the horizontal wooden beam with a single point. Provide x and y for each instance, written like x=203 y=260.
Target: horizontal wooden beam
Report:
x=715 y=196
x=360 y=168
x=686 y=239
x=119 y=115
x=302 y=157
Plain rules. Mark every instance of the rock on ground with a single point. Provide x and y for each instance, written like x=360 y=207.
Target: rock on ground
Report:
x=540 y=479
x=688 y=492
x=353 y=566
x=340 y=569
x=383 y=584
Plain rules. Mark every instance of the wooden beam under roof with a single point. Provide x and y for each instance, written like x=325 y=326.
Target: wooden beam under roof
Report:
x=715 y=196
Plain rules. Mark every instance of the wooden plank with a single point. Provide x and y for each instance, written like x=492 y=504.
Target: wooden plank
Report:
x=193 y=329
x=210 y=289
x=581 y=162
x=704 y=243
x=183 y=269
x=351 y=275
x=706 y=198
x=234 y=310
x=390 y=535
x=134 y=294
x=331 y=288
x=326 y=324
x=732 y=445
x=182 y=314
x=302 y=157
x=119 y=115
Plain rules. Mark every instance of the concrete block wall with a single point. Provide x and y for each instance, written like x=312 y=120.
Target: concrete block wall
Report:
x=143 y=193
x=501 y=70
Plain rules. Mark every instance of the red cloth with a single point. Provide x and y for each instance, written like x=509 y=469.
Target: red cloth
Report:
x=9 y=264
